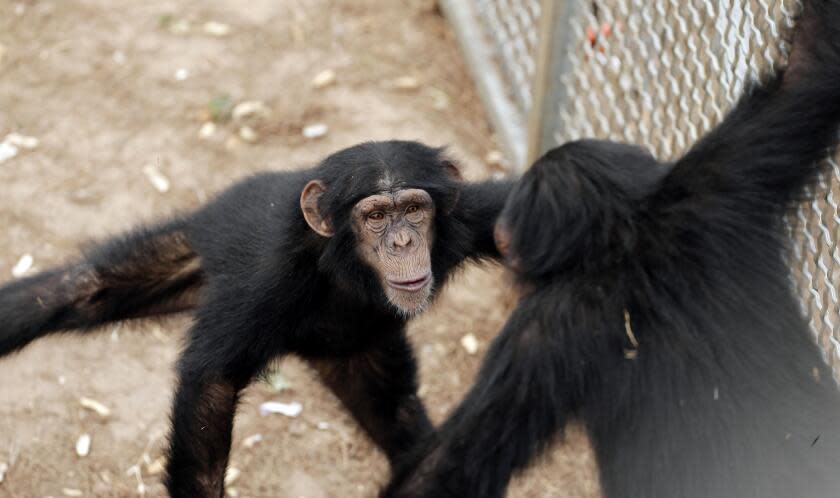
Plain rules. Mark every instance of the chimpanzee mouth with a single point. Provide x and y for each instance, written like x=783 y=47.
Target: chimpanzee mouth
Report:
x=412 y=285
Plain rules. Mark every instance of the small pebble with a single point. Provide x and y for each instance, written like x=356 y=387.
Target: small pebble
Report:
x=95 y=406
x=216 y=28
x=292 y=409
x=83 y=445
x=252 y=440
x=157 y=179
x=323 y=79
x=118 y=57
x=249 y=108
x=494 y=158
x=232 y=475
x=71 y=492
x=7 y=151
x=207 y=130
x=4 y=467
x=248 y=134
x=156 y=467
x=440 y=100
x=470 y=344
x=23 y=265
x=182 y=73
x=406 y=83
x=317 y=130
x=22 y=141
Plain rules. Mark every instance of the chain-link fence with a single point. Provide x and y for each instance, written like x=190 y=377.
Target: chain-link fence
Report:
x=654 y=72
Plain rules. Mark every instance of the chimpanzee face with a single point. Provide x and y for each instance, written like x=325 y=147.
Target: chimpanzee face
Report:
x=395 y=234
x=386 y=199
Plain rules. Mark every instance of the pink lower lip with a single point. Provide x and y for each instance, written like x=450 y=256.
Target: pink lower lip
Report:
x=410 y=285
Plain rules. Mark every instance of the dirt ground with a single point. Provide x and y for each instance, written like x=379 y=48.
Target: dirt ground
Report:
x=118 y=91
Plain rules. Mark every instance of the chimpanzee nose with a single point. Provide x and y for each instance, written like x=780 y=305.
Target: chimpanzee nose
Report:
x=402 y=239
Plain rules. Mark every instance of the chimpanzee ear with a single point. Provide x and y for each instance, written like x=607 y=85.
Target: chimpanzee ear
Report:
x=452 y=169
x=309 y=206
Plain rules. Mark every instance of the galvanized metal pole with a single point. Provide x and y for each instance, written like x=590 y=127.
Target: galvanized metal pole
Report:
x=555 y=34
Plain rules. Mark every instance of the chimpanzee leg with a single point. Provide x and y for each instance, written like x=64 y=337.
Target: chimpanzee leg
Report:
x=379 y=388
x=213 y=370
x=519 y=403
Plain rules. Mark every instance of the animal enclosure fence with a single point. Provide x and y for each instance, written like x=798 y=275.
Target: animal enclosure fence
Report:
x=654 y=72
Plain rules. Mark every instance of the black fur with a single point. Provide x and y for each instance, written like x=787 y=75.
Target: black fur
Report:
x=713 y=386
x=263 y=284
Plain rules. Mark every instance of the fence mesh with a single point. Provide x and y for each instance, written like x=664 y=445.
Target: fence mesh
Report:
x=512 y=26
x=660 y=73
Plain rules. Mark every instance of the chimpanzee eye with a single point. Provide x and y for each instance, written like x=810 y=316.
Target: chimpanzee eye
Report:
x=376 y=216
x=412 y=209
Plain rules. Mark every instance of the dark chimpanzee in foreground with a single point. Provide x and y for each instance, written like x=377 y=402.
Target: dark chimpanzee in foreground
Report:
x=657 y=309
x=327 y=263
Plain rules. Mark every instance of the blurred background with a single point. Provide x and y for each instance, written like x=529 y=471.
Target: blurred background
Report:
x=114 y=113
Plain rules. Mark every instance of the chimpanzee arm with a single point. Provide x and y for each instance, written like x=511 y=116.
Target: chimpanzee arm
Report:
x=767 y=148
x=379 y=388
x=478 y=208
x=520 y=402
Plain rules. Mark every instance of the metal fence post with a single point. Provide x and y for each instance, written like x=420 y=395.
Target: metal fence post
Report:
x=555 y=34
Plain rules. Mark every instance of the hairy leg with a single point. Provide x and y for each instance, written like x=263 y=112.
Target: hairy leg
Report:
x=217 y=364
x=379 y=388
x=149 y=271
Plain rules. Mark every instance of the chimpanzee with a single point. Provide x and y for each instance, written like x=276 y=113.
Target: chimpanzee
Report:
x=656 y=308
x=327 y=263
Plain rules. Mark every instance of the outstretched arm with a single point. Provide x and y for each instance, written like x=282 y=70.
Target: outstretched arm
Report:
x=519 y=403
x=766 y=150
x=478 y=208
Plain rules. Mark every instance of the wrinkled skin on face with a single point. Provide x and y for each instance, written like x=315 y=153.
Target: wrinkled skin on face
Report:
x=395 y=235
x=394 y=231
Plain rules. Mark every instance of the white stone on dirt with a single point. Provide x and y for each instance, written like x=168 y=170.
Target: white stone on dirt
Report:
x=216 y=28
x=7 y=151
x=4 y=467
x=252 y=440
x=23 y=265
x=323 y=79
x=157 y=179
x=22 y=141
x=406 y=83
x=316 y=130
x=470 y=344
x=249 y=108
x=119 y=57
x=207 y=130
x=95 y=406
x=248 y=134
x=292 y=409
x=83 y=445
x=156 y=467
x=231 y=475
